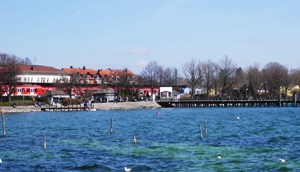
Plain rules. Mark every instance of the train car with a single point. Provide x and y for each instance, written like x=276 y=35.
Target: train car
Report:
x=29 y=90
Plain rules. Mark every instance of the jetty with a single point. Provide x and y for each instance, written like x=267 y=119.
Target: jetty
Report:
x=194 y=103
x=63 y=109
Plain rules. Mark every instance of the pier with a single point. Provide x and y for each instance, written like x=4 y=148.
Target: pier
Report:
x=193 y=103
x=63 y=109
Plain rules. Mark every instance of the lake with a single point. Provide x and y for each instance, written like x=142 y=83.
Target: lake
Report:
x=167 y=140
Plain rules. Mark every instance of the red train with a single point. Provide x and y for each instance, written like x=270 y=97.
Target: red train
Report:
x=29 y=90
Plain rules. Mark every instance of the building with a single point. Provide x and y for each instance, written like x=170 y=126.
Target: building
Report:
x=37 y=74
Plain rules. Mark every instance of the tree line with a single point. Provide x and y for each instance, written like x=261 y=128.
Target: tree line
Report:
x=215 y=79
x=225 y=79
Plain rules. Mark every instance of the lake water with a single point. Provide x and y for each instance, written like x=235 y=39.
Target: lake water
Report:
x=168 y=141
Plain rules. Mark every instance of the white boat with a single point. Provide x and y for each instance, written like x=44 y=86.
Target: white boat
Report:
x=93 y=109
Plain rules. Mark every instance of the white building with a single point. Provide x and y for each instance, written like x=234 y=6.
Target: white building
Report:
x=36 y=74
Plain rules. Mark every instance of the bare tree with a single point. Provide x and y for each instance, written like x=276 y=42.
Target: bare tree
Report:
x=69 y=85
x=210 y=71
x=274 y=76
x=253 y=80
x=239 y=83
x=151 y=75
x=226 y=76
x=6 y=59
x=8 y=79
x=193 y=74
x=9 y=71
x=295 y=75
x=168 y=77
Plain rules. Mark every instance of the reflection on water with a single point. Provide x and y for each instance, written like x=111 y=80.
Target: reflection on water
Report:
x=166 y=141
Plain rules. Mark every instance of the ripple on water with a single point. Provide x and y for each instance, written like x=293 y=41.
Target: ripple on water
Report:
x=169 y=142
x=93 y=167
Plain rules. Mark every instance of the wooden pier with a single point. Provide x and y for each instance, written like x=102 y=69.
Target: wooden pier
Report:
x=228 y=103
x=63 y=109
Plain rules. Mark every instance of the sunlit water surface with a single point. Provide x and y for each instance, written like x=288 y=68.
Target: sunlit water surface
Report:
x=168 y=141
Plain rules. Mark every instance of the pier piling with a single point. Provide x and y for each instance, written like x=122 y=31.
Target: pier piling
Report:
x=111 y=126
x=44 y=142
x=3 y=123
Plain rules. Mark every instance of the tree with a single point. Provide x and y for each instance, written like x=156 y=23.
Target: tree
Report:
x=8 y=79
x=151 y=75
x=124 y=84
x=9 y=71
x=210 y=71
x=239 y=83
x=69 y=84
x=6 y=59
x=253 y=80
x=193 y=74
x=274 y=76
x=168 y=78
x=226 y=75
x=295 y=74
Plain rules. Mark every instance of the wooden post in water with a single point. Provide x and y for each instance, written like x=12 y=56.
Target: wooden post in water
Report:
x=295 y=99
x=134 y=138
x=200 y=131
x=205 y=127
x=110 y=126
x=3 y=123
x=44 y=142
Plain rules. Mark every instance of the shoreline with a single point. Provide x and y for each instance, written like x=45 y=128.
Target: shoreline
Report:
x=97 y=106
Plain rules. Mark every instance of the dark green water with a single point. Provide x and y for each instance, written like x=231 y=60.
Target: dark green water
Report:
x=170 y=141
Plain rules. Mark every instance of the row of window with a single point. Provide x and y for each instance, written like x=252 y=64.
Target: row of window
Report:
x=40 y=79
x=29 y=90
x=47 y=80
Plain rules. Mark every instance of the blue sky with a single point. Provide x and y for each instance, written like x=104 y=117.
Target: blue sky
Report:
x=121 y=34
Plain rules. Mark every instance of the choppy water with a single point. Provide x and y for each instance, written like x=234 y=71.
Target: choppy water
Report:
x=170 y=141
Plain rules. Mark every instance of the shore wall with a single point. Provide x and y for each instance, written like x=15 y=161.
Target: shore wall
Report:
x=98 y=106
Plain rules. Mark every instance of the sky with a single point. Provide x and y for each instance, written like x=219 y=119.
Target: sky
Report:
x=121 y=34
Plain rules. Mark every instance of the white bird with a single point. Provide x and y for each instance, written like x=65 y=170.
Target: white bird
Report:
x=127 y=169
x=281 y=160
x=0 y=161
x=219 y=157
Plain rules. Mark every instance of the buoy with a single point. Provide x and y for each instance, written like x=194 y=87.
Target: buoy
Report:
x=281 y=160
x=127 y=169
x=238 y=118
x=44 y=140
x=219 y=156
x=134 y=139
